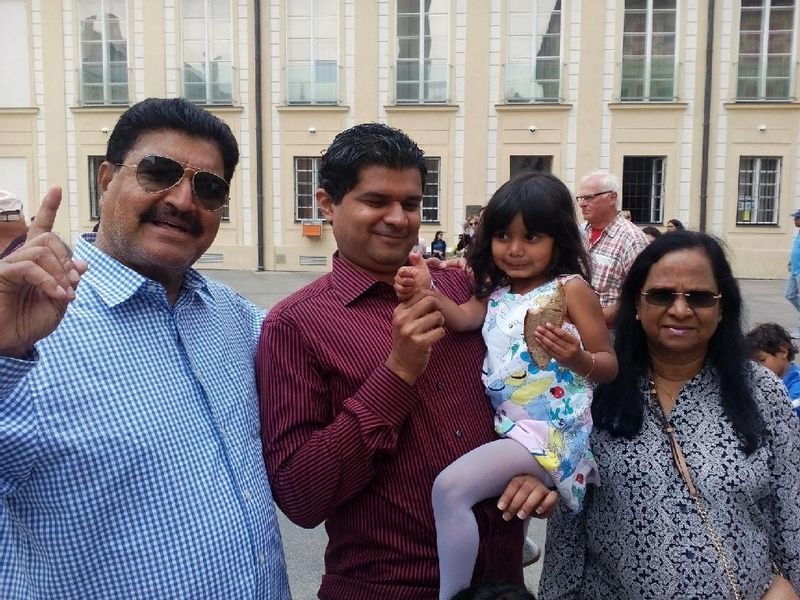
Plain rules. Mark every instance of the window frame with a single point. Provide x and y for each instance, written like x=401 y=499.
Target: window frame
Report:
x=647 y=57
x=313 y=206
x=763 y=55
x=535 y=13
x=105 y=63
x=657 y=192
x=315 y=97
x=423 y=84
x=756 y=184
x=208 y=65
x=432 y=191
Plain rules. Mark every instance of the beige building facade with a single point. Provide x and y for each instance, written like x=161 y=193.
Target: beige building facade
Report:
x=694 y=107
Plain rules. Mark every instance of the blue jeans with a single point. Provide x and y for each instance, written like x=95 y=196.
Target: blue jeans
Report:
x=793 y=290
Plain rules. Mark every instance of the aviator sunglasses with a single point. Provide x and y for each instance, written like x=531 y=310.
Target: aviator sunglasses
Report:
x=694 y=298
x=157 y=174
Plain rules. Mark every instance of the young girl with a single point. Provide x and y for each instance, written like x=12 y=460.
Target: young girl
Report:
x=527 y=245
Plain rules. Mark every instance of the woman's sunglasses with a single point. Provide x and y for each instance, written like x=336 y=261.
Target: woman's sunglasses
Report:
x=694 y=298
x=157 y=174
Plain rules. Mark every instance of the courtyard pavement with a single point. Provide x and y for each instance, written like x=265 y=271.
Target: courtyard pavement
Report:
x=305 y=548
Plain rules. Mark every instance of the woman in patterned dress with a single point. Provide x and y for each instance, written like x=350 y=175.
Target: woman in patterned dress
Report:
x=683 y=372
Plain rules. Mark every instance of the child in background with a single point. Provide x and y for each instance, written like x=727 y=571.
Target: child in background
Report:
x=772 y=346
x=527 y=246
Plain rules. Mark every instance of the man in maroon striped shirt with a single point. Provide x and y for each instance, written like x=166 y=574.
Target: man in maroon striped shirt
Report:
x=364 y=399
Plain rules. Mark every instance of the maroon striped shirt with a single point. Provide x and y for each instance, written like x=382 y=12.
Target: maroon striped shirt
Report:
x=348 y=442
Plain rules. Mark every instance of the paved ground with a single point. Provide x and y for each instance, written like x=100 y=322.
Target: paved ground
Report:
x=304 y=548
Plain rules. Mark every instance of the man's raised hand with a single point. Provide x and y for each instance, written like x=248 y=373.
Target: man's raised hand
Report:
x=37 y=282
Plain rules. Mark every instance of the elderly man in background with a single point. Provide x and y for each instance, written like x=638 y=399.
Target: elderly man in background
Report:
x=13 y=228
x=612 y=241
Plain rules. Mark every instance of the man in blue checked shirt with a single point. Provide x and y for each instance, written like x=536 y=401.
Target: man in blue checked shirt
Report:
x=130 y=459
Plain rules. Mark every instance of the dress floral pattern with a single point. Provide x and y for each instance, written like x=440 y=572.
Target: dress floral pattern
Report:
x=546 y=410
x=639 y=535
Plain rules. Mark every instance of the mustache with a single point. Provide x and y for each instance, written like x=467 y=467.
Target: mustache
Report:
x=168 y=213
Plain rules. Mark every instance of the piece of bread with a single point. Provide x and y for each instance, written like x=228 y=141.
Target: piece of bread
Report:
x=553 y=312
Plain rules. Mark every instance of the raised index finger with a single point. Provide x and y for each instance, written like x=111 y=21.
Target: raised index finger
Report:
x=46 y=215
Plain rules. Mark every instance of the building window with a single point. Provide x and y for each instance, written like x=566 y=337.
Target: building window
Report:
x=430 y=195
x=305 y=188
x=533 y=70
x=520 y=164
x=643 y=187
x=207 y=50
x=312 y=66
x=766 y=35
x=94 y=187
x=648 y=50
x=15 y=74
x=104 y=52
x=422 y=39
x=759 y=190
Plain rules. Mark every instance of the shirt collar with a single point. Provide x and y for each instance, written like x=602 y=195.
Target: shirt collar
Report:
x=350 y=282
x=612 y=228
x=115 y=283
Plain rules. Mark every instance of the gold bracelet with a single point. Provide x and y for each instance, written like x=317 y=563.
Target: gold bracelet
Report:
x=592 y=369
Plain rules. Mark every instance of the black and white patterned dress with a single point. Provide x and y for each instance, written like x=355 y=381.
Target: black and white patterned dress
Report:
x=639 y=535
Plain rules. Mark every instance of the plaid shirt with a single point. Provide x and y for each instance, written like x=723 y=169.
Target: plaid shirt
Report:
x=612 y=256
x=130 y=457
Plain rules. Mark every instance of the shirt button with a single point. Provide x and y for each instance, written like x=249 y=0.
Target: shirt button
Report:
x=459 y=433
x=440 y=385
x=262 y=558
x=247 y=494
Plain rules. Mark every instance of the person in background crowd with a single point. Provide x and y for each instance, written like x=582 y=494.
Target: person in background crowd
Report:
x=364 y=399
x=130 y=461
x=793 y=281
x=612 y=242
x=13 y=229
x=674 y=225
x=651 y=233
x=439 y=246
x=697 y=447
x=772 y=347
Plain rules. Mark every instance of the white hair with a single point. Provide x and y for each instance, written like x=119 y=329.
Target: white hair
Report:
x=608 y=182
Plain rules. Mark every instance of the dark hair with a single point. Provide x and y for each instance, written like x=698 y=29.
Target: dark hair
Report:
x=650 y=230
x=362 y=146
x=437 y=234
x=770 y=338
x=618 y=406
x=177 y=114
x=678 y=225
x=546 y=206
x=495 y=591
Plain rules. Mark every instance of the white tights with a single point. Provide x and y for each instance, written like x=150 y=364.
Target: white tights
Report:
x=480 y=474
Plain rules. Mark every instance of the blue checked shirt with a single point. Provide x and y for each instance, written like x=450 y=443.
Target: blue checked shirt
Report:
x=130 y=454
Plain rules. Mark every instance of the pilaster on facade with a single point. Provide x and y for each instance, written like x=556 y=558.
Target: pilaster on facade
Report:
x=460 y=99
x=349 y=61
x=572 y=81
x=171 y=59
x=245 y=212
x=275 y=123
x=138 y=50
x=687 y=82
x=70 y=189
x=384 y=67
x=495 y=28
x=609 y=67
x=39 y=100
x=718 y=158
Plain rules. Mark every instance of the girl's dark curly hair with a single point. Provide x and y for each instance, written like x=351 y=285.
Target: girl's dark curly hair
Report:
x=546 y=207
x=618 y=406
